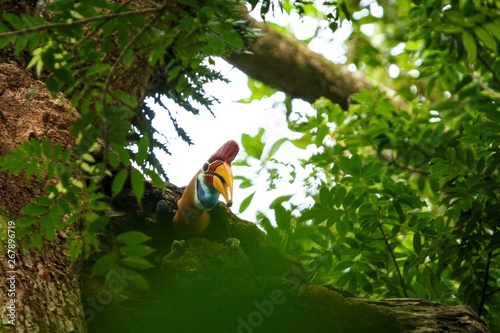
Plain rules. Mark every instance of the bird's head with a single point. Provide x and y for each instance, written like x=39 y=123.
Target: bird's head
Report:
x=217 y=172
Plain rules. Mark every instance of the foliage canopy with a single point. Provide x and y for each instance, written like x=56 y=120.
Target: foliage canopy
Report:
x=408 y=201
x=408 y=198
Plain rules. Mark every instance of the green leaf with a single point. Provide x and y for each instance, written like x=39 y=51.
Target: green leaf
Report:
x=490 y=127
x=132 y=237
x=104 y=264
x=81 y=123
x=137 y=182
x=48 y=58
x=245 y=182
x=233 y=38
x=487 y=39
x=47 y=229
x=371 y=170
x=155 y=178
x=87 y=140
x=65 y=76
x=351 y=166
x=4 y=42
x=33 y=42
x=142 y=150
x=246 y=202
x=470 y=46
x=75 y=249
x=26 y=221
x=253 y=145
x=97 y=224
x=123 y=155
x=339 y=195
x=126 y=98
x=30 y=169
x=14 y=20
x=137 y=280
x=283 y=217
x=322 y=132
x=36 y=241
x=34 y=209
x=137 y=263
x=279 y=201
x=128 y=58
x=470 y=159
x=303 y=142
x=493 y=115
x=325 y=197
x=3 y=27
x=136 y=250
x=417 y=242
x=20 y=44
x=494 y=28
x=276 y=146
x=353 y=283
x=459 y=273
x=59 y=6
x=343 y=265
x=451 y=155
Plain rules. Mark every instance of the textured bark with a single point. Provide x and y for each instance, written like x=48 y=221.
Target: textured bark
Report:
x=421 y=316
x=47 y=297
x=286 y=64
x=46 y=286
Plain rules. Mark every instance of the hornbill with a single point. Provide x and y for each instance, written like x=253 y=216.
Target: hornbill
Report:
x=197 y=209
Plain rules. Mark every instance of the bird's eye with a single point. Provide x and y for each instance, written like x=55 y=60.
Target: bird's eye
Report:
x=205 y=166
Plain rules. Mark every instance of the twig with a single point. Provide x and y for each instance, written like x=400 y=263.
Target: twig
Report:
x=129 y=45
x=402 y=167
x=386 y=241
x=492 y=292
x=79 y=22
x=484 y=294
x=98 y=27
x=113 y=69
x=491 y=92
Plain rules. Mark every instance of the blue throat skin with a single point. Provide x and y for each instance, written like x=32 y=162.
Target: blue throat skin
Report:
x=207 y=196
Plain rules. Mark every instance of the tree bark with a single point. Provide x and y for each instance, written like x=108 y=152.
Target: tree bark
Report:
x=286 y=64
x=42 y=293
x=419 y=316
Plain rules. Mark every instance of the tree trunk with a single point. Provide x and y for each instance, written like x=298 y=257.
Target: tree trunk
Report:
x=43 y=293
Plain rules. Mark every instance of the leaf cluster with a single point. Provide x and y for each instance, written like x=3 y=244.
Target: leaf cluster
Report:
x=406 y=200
x=79 y=48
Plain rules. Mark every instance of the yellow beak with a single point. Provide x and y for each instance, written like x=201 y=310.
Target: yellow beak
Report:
x=223 y=182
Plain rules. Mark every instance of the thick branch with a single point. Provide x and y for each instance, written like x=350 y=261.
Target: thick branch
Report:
x=286 y=64
x=249 y=286
x=417 y=315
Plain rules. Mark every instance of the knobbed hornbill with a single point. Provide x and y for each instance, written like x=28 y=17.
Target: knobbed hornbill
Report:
x=198 y=213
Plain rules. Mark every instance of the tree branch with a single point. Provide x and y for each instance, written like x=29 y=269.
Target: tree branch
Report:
x=286 y=64
x=484 y=294
x=79 y=22
x=401 y=280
